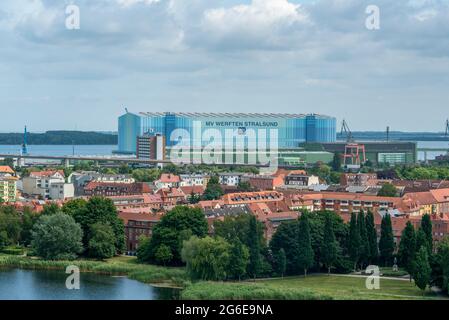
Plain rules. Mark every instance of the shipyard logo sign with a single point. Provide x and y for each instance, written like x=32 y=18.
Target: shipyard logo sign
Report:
x=233 y=146
x=264 y=124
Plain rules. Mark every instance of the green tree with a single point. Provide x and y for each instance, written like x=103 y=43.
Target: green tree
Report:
x=206 y=258
x=28 y=221
x=100 y=210
x=442 y=259
x=336 y=162
x=386 y=241
x=124 y=169
x=281 y=262
x=4 y=239
x=213 y=190
x=146 y=175
x=388 y=190
x=102 y=241
x=11 y=224
x=372 y=237
x=57 y=237
x=194 y=198
x=426 y=227
x=50 y=209
x=172 y=230
x=73 y=207
x=354 y=240
x=422 y=270
x=421 y=240
x=286 y=238
x=239 y=259
x=171 y=168
x=143 y=250
x=244 y=186
x=364 y=252
x=330 y=245
x=305 y=250
x=163 y=254
x=407 y=248
x=254 y=265
x=238 y=226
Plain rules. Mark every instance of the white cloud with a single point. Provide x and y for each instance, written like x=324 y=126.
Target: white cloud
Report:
x=260 y=16
x=225 y=54
x=128 y=3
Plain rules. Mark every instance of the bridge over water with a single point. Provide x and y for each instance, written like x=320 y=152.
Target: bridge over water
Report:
x=67 y=160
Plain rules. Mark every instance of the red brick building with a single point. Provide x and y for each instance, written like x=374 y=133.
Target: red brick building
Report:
x=107 y=189
x=172 y=196
x=136 y=225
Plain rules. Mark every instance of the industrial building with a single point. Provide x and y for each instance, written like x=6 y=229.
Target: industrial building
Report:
x=292 y=129
x=381 y=152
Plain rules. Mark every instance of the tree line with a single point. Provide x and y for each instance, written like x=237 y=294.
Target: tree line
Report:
x=60 y=138
x=315 y=242
x=89 y=228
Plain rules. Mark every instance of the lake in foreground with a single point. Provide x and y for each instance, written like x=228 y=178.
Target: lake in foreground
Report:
x=16 y=284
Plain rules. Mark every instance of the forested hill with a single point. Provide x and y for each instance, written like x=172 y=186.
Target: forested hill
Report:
x=60 y=138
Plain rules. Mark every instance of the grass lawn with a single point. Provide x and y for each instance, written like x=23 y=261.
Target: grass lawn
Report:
x=314 y=287
x=346 y=287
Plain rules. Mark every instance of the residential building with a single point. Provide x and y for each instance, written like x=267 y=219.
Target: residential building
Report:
x=38 y=183
x=137 y=225
x=8 y=188
x=407 y=186
x=6 y=171
x=61 y=191
x=151 y=147
x=196 y=191
x=190 y=180
x=358 y=179
x=340 y=202
x=172 y=196
x=108 y=189
x=81 y=179
x=230 y=179
x=244 y=198
x=301 y=180
x=167 y=180
x=8 y=184
x=143 y=202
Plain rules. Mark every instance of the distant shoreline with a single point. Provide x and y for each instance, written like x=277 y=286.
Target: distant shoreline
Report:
x=60 y=138
x=82 y=138
x=395 y=136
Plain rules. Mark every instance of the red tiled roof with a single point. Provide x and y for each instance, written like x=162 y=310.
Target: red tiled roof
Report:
x=252 y=197
x=205 y=204
x=138 y=187
x=441 y=195
x=172 y=192
x=192 y=189
x=138 y=216
x=146 y=197
x=47 y=173
x=421 y=198
x=169 y=178
x=6 y=169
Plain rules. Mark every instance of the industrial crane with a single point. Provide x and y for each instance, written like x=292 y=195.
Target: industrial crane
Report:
x=345 y=129
x=354 y=154
x=25 y=144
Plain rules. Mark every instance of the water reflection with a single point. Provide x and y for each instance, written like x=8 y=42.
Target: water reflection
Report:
x=18 y=284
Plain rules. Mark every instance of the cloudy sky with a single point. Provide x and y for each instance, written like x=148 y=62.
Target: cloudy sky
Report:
x=296 y=56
